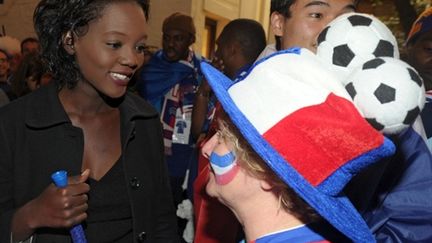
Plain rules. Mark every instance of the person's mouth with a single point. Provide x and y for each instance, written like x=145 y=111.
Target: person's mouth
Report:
x=121 y=79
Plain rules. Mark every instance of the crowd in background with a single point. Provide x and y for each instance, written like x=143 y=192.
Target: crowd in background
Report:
x=21 y=69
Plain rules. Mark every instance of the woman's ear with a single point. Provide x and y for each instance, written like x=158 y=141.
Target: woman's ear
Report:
x=68 y=42
x=265 y=185
x=277 y=23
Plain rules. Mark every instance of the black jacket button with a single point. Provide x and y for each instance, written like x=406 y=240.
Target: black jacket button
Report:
x=141 y=237
x=134 y=183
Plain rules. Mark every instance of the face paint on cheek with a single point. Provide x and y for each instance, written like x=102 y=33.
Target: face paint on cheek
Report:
x=224 y=167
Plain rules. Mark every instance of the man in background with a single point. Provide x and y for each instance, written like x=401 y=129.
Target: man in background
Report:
x=169 y=82
x=29 y=45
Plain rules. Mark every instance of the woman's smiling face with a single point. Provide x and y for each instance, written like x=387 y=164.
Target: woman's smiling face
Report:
x=112 y=49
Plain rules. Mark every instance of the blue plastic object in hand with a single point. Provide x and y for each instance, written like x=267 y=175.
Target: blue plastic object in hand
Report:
x=77 y=232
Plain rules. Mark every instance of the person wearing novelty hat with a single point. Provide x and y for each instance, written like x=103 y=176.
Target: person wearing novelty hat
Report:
x=290 y=141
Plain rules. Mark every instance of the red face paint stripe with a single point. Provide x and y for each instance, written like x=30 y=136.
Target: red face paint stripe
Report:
x=228 y=176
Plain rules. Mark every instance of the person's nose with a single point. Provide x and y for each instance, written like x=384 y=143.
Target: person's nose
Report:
x=209 y=146
x=132 y=58
x=169 y=42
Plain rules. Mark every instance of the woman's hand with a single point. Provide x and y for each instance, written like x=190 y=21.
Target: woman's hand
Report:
x=54 y=208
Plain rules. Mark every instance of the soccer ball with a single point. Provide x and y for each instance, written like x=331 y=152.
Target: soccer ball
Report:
x=352 y=39
x=388 y=92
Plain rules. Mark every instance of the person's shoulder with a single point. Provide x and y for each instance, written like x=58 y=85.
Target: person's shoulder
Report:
x=14 y=111
x=17 y=109
x=157 y=57
x=156 y=62
x=197 y=59
x=15 y=106
x=268 y=50
x=198 y=56
x=3 y=98
x=137 y=104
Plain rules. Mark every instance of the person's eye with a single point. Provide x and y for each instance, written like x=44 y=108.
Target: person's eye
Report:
x=316 y=15
x=114 y=45
x=179 y=38
x=141 y=48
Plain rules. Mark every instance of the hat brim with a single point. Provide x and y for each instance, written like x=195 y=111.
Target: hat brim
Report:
x=337 y=210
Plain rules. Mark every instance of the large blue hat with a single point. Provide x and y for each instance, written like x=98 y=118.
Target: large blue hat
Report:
x=301 y=121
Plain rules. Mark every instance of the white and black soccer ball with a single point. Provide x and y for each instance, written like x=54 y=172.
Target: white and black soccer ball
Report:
x=352 y=39
x=388 y=92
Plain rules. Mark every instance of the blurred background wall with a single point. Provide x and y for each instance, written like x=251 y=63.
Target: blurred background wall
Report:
x=211 y=16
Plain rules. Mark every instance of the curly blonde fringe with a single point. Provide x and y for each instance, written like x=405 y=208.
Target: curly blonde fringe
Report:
x=249 y=160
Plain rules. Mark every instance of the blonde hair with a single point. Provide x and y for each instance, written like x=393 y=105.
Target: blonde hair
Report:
x=252 y=163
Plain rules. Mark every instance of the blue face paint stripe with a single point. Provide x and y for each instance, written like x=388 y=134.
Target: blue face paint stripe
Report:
x=222 y=160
